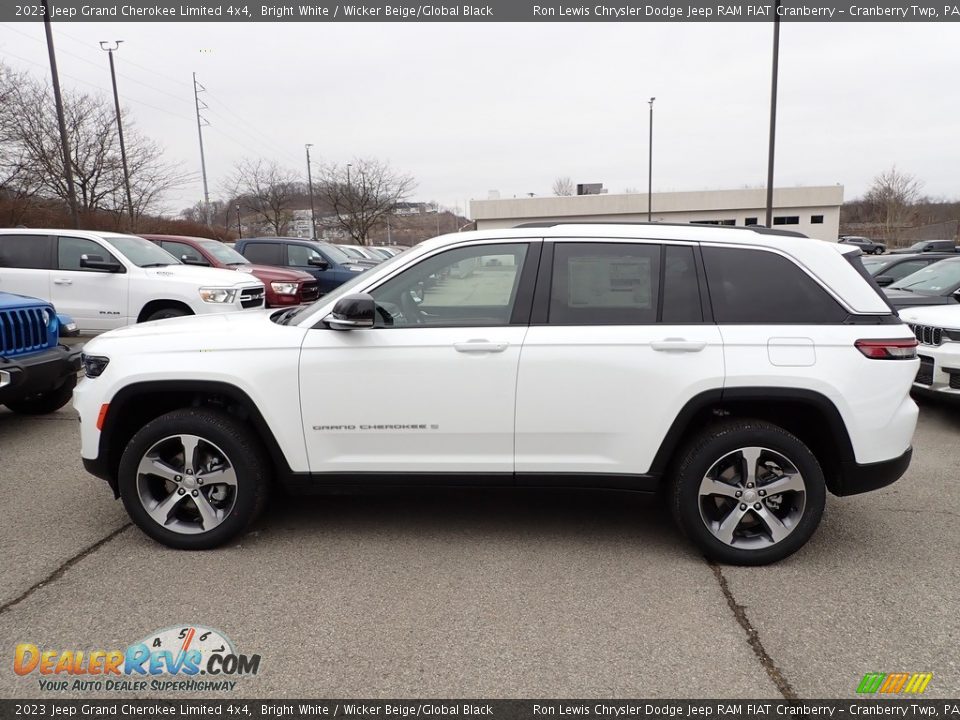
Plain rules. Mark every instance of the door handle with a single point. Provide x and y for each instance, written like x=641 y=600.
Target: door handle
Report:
x=62 y=281
x=480 y=346
x=678 y=345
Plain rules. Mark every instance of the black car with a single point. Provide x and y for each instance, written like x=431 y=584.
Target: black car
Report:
x=866 y=245
x=890 y=268
x=923 y=246
x=936 y=284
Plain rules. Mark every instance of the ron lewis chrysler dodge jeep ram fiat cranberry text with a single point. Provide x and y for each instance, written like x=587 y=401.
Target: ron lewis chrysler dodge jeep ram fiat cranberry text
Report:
x=745 y=371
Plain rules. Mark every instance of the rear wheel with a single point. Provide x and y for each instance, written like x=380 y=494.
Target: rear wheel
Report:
x=45 y=402
x=194 y=479
x=748 y=492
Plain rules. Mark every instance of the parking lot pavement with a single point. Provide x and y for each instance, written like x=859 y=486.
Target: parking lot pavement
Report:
x=491 y=593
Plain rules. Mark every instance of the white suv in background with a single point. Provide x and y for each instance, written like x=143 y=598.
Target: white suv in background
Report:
x=937 y=329
x=107 y=280
x=746 y=372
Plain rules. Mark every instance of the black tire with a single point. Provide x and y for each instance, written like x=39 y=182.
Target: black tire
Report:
x=244 y=452
x=165 y=313
x=45 y=402
x=710 y=446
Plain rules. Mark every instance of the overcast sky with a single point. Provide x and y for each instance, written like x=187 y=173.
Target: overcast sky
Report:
x=468 y=108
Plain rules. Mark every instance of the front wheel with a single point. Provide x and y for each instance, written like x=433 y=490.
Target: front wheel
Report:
x=166 y=313
x=46 y=402
x=748 y=492
x=194 y=479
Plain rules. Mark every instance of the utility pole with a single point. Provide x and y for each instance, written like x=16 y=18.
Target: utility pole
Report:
x=313 y=220
x=773 y=111
x=650 y=168
x=123 y=148
x=239 y=227
x=201 y=121
x=58 y=98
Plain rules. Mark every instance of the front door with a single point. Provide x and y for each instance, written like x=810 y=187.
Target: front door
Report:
x=429 y=389
x=97 y=300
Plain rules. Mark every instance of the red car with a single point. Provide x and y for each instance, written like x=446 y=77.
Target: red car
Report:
x=284 y=287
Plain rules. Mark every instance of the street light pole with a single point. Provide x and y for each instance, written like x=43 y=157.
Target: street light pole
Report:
x=239 y=227
x=650 y=168
x=123 y=148
x=58 y=99
x=313 y=220
x=773 y=111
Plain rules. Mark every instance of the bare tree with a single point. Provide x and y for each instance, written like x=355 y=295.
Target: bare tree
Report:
x=891 y=198
x=563 y=186
x=362 y=193
x=267 y=190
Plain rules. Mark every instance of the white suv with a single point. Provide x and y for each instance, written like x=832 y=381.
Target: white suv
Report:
x=937 y=328
x=745 y=372
x=107 y=280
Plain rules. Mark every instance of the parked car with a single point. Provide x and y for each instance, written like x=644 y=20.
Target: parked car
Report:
x=937 y=329
x=361 y=256
x=330 y=265
x=107 y=280
x=928 y=246
x=37 y=374
x=936 y=284
x=698 y=383
x=283 y=287
x=890 y=268
x=68 y=328
x=866 y=245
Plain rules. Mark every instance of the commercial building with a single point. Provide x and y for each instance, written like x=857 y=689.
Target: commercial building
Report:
x=814 y=211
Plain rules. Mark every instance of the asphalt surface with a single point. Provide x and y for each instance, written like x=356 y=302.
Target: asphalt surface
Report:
x=490 y=593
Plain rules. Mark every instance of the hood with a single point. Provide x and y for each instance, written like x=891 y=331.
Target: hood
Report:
x=202 y=275
x=267 y=273
x=903 y=298
x=192 y=325
x=11 y=300
x=943 y=316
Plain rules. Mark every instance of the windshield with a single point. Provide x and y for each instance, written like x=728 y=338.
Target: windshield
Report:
x=339 y=292
x=141 y=252
x=941 y=278
x=875 y=264
x=221 y=252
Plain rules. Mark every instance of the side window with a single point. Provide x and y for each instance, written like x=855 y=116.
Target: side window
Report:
x=31 y=252
x=179 y=250
x=265 y=253
x=604 y=284
x=898 y=272
x=299 y=255
x=70 y=249
x=472 y=286
x=681 y=291
x=756 y=286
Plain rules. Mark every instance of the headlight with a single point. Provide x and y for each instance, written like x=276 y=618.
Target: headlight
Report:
x=284 y=288
x=218 y=295
x=93 y=365
x=47 y=317
x=70 y=327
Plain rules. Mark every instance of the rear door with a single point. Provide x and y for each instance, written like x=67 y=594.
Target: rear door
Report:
x=25 y=265
x=620 y=340
x=98 y=300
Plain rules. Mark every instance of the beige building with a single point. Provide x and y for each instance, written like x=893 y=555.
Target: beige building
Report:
x=814 y=211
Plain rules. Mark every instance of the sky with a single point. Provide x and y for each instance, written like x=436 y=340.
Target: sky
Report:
x=471 y=108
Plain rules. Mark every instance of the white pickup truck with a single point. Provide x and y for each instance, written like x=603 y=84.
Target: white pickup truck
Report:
x=107 y=280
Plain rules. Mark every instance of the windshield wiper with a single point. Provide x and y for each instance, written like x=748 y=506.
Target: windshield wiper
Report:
x=157 y=264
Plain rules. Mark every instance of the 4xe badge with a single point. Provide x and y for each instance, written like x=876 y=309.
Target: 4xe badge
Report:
x=189 y=658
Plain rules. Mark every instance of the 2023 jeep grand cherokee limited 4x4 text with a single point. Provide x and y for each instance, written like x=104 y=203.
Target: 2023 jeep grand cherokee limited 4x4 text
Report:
x=745 y=372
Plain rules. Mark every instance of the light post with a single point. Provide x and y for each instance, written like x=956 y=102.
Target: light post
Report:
x=348 y=176
x=773 y=111
x=313 y=220
x=239 y=227
x=650 y=168
x=116 y=101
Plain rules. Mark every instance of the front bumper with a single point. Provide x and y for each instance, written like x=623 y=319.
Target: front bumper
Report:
x=859 y=478
x=939 y=373
x=32 y=374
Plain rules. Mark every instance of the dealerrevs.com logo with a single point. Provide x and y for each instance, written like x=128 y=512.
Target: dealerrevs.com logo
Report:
x=188 y=658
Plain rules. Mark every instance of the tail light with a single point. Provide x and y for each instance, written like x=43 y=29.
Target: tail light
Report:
x=900 y=349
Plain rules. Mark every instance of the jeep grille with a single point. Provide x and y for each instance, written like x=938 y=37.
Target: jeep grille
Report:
x=23 y=331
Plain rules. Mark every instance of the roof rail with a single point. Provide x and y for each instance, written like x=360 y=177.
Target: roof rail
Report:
x=761 y=229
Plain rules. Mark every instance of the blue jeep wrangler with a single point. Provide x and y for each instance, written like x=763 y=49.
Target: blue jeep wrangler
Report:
x=37 y=374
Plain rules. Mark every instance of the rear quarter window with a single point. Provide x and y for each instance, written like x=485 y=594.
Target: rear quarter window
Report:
x=761 y=287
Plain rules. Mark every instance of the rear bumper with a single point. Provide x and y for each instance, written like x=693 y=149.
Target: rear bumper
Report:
x=859 y=478
x=32 y=374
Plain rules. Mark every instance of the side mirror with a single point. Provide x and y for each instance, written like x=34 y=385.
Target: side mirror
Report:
x=884 y=280
x=352 y=312
x=318 y=262
x=192 y=260
x=97 y=262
